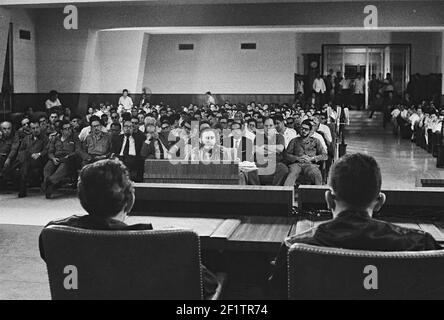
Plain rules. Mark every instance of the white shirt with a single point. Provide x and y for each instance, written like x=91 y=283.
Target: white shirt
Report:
x=289 y=134
x=359 y=86
x=326 y=131
x=319 y=85
x=50 y=104
x=319 y=137
x=211 y=100
x=132 y=146
x=250 y=135
x=237 y=143
x=86 y=131
x=126 y=103
x=437 y=126
x=299 y=86
x=395 y=113
x=345 y=84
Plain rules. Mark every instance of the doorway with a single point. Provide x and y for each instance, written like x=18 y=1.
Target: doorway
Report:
x=367 y=60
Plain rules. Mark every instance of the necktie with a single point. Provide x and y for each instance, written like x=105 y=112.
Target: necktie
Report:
x=126 y=148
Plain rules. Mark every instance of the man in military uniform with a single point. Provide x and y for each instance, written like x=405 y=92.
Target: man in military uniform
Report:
x=32 y=155
x=63 y=157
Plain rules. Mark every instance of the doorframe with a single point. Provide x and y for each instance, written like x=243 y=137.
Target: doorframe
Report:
x=373 y=45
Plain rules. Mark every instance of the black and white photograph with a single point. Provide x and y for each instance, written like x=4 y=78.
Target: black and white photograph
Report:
x=243 y=151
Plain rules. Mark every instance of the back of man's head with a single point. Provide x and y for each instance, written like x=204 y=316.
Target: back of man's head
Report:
x=105 y=188
x=356 y=180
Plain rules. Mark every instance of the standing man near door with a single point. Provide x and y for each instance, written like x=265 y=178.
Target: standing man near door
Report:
x=358 y=92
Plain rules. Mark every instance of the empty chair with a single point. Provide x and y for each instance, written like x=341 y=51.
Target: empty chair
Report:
x=330 y=273
x=159 y=264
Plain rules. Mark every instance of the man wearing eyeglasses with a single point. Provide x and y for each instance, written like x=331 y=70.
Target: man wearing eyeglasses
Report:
x=63 y=155
x=127 y=147
x=302 y=155
x=97 y=145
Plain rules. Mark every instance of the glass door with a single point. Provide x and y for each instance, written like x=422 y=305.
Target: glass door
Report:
x=368 y=60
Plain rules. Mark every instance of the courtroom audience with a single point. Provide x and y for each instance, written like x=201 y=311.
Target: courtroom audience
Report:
x=176 y=132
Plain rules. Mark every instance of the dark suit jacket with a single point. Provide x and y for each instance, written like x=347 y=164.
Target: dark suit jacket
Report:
x=246 y=152
x=117 y=144
x=355 y=231
x=149 y=150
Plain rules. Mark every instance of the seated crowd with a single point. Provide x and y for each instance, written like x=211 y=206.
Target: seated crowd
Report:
x=422 y=123
x=50 y=148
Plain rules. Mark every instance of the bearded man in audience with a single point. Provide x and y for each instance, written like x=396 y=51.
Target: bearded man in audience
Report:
x=302 y=155
x=354 y=195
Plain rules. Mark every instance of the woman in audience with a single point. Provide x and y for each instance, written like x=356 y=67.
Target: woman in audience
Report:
x=53 y=100
x=125 y=102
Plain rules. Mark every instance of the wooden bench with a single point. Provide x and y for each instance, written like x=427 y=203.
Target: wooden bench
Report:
x=164 y=171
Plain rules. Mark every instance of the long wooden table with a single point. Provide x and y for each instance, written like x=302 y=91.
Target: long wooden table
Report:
x=239 y=218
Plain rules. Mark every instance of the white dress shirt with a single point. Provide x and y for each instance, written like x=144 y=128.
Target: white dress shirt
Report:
x=250 y=135
x=126 y=103
x=51 y=104
x=326 y=131
x=319 y=85
x=359 y=86
x=132 y=146
x=321 y=140
x=289 y=134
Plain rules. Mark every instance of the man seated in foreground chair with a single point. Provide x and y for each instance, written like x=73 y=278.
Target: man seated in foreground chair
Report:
x=107 y=194
x=355 y=182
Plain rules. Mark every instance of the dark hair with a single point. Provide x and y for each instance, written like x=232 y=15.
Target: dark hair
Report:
x=235 y=122
x=116 y=124
x=125 y=90
x=252 y=120
x=356 y=179
x=307 y=122
x=104 y=188
x=278 y=117
x=64 y=122
x=94 y=118
x=126 y=116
